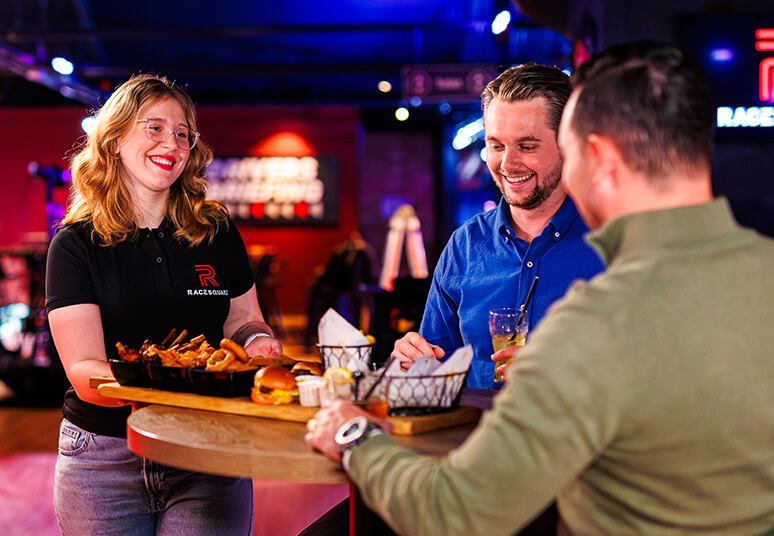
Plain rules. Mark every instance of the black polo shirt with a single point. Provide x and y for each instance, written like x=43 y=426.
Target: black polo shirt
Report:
x=144 y=289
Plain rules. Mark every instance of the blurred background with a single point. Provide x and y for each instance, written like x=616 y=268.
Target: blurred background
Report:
x=325 y=119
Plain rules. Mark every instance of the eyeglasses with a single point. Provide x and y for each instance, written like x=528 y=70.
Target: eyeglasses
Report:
x=158 y=130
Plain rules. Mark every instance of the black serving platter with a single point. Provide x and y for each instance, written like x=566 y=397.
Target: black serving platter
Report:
x=226 y=384
x=130 y=374
x=170 y=378
x=183 y=380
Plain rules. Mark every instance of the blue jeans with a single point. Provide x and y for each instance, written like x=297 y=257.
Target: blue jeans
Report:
x=101 y=487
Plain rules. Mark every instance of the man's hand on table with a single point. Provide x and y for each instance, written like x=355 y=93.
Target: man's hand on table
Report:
x=412 y=346
x=321 y=430
x=508 y=353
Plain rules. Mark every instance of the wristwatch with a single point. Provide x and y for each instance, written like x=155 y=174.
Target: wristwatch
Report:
x=352 y=433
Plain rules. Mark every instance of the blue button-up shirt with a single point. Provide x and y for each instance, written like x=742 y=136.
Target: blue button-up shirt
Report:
x=484 y=266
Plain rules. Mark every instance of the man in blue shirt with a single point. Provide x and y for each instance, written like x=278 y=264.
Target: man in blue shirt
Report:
x=491 y=261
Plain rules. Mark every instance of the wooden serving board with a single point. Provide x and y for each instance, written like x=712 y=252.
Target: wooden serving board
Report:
x=286 y=412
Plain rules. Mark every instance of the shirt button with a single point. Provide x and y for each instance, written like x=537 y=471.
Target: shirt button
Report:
x=556 y=235
x=159 y=260
x=161 y=234
x=529 y=264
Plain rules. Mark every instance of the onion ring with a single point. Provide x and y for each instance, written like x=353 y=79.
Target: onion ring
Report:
x=219 y=360
x=234 y=348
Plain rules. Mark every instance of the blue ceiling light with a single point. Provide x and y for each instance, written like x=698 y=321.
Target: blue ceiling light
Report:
x=444 y=107
x=415 y=101
x=62 y=65
x=501 y=22
x=467 y=134
x=721 y=54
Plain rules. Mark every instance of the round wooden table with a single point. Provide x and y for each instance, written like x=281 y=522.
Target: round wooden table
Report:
x=240 y=446
x=267 y=449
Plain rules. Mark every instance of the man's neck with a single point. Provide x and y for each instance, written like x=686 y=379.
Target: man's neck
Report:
x=639 y=196
x=527 y=224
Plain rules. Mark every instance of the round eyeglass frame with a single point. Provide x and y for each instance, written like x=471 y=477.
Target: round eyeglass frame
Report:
x=175 y=131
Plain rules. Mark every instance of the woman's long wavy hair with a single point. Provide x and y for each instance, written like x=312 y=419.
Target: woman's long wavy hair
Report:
x=99 y=194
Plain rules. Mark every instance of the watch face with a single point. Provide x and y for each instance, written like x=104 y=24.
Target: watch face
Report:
x=351 y=430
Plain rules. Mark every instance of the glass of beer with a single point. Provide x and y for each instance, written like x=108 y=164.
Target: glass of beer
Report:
x=502 y=327
x=377 y=402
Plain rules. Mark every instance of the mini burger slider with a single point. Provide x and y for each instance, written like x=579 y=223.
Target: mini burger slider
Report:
x=274 y=385
x=303 y=368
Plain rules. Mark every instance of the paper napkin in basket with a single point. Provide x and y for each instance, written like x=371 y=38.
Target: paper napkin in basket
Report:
x=424 y=366
x=425 y=384
x=458 y=362
x=334 y=330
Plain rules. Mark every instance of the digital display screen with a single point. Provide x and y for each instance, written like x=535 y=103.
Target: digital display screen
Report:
x=277 y=190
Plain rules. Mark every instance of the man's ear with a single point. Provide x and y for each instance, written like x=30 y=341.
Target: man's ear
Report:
x=607 y=160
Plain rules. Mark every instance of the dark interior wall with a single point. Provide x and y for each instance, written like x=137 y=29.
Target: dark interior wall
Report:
x=741 y=171
x=628 y=20
x=46 y=134
x=397 y=166
x=744 y=173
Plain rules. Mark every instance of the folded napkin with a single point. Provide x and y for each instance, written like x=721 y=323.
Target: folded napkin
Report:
x=334 y=331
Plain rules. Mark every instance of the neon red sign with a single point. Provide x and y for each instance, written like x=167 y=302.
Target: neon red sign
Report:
x=765 y=42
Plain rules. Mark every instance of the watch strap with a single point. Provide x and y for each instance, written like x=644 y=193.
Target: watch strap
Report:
x=372 y=430
x=254 y=336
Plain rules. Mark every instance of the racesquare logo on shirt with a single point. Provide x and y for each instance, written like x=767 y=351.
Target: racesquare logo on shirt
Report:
x=207 y=278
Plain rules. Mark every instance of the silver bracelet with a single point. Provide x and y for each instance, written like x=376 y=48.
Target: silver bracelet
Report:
x=254 y=336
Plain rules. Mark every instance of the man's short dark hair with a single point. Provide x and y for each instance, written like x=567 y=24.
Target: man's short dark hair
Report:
x=531 y=81
x=652 y=100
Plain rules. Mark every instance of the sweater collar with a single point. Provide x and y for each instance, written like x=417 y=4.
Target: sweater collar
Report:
x=674 y=229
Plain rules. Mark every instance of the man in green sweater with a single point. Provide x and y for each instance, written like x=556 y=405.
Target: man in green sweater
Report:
x=644 y=402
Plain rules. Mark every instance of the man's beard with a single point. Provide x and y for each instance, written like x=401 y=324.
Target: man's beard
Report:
x=539 y=193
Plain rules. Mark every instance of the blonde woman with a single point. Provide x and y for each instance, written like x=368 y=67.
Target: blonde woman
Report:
x=139 y=252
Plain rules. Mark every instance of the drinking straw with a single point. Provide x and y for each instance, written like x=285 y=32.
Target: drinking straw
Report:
x=523 y=308
x=379 y=379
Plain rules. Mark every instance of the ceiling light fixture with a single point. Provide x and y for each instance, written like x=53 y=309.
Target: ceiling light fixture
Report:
x=62 y=65
x=501 y=22
x=23 y=64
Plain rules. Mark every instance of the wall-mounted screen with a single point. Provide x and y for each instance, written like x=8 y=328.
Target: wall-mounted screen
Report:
x=277 y=190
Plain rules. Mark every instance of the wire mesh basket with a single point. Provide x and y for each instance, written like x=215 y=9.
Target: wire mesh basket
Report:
x=339 y=356
x=416 y=395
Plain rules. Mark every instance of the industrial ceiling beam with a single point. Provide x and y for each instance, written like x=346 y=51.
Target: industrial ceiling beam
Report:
x=23 y=64
x=17 y=37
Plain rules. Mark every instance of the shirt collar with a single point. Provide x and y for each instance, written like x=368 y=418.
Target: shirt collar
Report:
x=503 y=217
x=563 y=219
x=558 y=225
x=677 y=228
